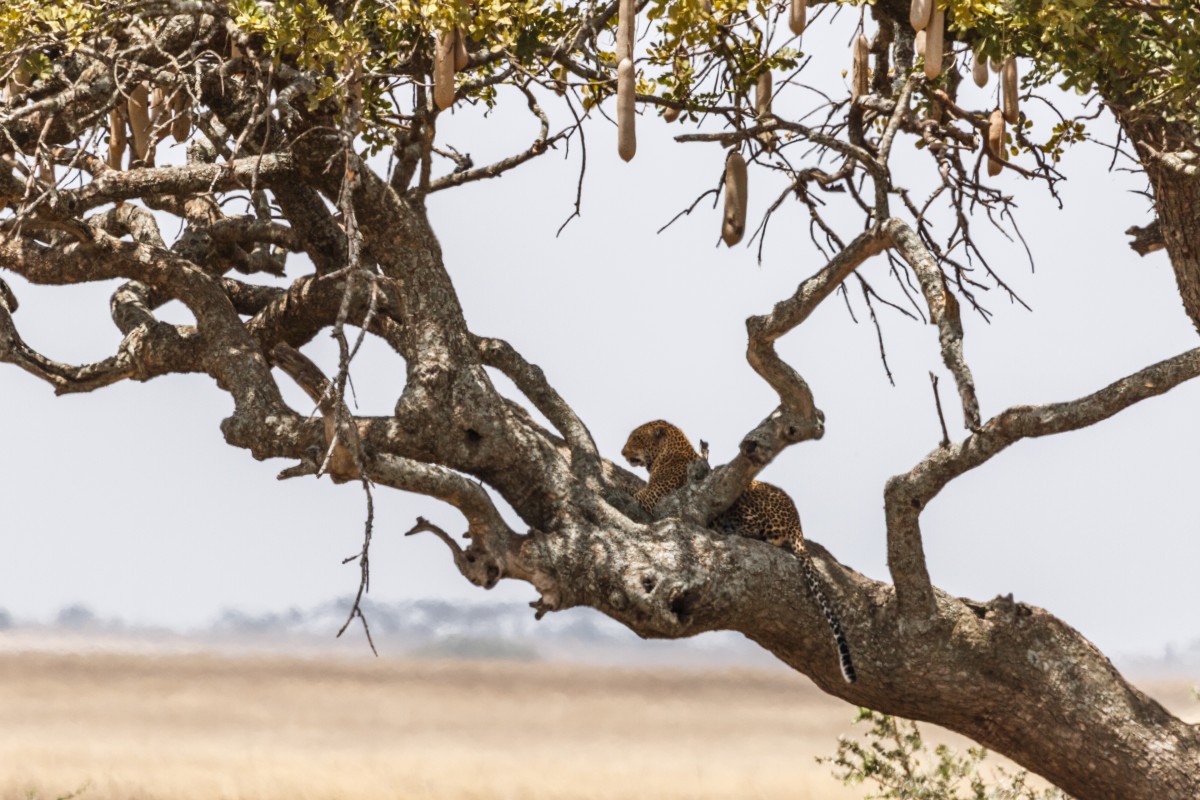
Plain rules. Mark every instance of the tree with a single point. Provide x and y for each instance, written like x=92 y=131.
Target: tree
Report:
x=289 y=108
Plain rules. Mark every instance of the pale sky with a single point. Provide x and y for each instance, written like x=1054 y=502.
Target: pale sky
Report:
x=128 y=500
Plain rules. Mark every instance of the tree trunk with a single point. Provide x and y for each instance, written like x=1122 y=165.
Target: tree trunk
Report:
x=1176 y=199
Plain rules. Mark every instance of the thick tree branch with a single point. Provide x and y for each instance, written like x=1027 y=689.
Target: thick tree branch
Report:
x=321 y=237
x=989 y=670
x=64 y=378
x=1146 y=238
x=252 y=231
x=493 y=551
x=797 y=418
x=147 y=351
x=110 y=186
x=310 y=304
x=529 y=378
x=908 y=494
x=794 y=395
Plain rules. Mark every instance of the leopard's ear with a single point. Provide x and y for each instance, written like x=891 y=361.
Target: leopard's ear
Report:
x=660 y=431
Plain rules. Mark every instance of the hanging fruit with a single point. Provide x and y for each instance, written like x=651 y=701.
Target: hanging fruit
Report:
x=139 y=120
x=934 y=43
x=443 y=70
x=117 y=140
x=733 y=226
x=996 y=142
x=762 y=95
x=861 y=74
x=626 y=95
x=979 y=70
x=461 y=56
x=919 y=13
x=798 y=16
x=181 y=122
x=1008 y=90
x=626 y=29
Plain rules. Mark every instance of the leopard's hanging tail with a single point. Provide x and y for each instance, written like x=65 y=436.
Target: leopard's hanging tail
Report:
x=814 y=587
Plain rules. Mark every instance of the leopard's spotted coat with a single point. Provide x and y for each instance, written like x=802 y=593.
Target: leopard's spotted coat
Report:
x=763 y=511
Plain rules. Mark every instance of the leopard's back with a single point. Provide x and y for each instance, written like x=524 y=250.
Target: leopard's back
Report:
x=764 y=511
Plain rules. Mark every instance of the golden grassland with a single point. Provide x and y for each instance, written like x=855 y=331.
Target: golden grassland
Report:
x=184 y=727
x=179 y=727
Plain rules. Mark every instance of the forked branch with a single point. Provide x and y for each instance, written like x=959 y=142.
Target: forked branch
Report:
x=794 y=395
x=907 y=495
x=493 y=553
x=797 y=417
x=65 y=378
x=531 y=380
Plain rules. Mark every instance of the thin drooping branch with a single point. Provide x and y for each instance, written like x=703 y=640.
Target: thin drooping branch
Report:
x=943 y=311
x=775 y=124
x=541 y=144
x=338 y=461
x=908 y=494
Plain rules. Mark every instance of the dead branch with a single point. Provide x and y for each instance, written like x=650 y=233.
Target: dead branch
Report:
x=943 y=312
x=1146 y=238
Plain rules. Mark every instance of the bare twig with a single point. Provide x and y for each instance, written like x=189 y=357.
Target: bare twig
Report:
x=937 y=399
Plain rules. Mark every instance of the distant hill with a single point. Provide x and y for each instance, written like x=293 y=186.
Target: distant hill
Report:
x=420 y=628
x=442 y=629
x=493 y=630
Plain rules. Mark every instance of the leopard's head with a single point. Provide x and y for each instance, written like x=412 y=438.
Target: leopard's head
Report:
x=650 y=442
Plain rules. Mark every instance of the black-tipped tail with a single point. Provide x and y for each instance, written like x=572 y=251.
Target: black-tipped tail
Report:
x=844 y=657
x=814 y=588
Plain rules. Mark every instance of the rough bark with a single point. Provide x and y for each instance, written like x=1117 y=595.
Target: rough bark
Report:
x=1177 y=200
x=1010 y=676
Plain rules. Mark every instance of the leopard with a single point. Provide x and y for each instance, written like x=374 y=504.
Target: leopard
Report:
x=763 y=511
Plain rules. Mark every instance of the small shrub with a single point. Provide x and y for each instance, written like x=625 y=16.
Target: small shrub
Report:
x=895 y=759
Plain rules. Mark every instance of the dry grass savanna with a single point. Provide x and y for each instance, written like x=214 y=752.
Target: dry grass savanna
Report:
x=184 y=727
x=190 y=726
